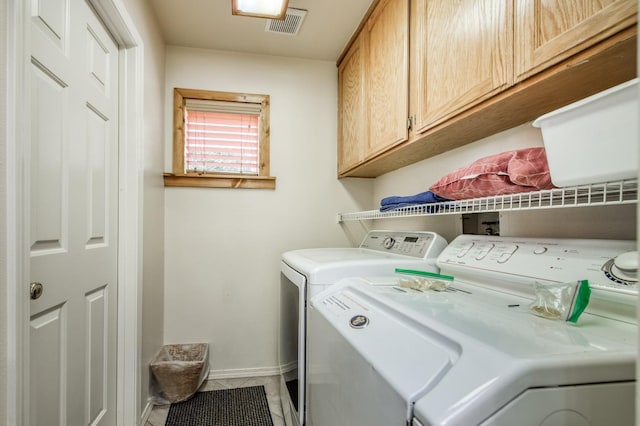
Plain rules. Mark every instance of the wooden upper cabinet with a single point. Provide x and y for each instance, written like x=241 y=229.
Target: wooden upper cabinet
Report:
x=387 y=36
x=461 y=54
x=352 y=108
x=477 y=67
x=549 y=31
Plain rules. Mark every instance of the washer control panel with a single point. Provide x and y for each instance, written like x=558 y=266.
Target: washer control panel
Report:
x=419 y=244
x=607 y=264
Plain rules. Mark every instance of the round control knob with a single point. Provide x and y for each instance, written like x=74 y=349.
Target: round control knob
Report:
x=627 y=261
x=625 y=266
x=388 y=242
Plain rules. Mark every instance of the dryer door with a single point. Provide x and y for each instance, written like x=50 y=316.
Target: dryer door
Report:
x=291 y=344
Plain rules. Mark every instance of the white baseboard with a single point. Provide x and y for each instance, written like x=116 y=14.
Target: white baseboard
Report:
x=243 y=372
x=146 y=413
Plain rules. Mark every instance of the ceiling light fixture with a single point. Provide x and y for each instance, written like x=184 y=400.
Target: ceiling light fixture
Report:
x=274 y=9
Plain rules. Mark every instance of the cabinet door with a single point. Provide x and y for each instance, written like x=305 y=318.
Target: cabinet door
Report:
x=461 y=54
x=387 y=34
x=352 y=112
x=548 y=31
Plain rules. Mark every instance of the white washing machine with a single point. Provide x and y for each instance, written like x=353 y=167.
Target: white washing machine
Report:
x=383 y=355
x=306 y=272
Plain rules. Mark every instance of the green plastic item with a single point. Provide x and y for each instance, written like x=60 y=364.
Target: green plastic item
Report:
x=580 y=301
x=424 y=274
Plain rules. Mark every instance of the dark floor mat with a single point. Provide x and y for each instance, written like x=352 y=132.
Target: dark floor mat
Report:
x=227 y=407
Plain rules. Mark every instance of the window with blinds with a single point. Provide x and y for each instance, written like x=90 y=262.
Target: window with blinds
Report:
x=222 y=137
x=220 y=140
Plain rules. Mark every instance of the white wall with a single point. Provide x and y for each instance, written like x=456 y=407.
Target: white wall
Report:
x=153 y=188
x=223 y=246
x=617 y=222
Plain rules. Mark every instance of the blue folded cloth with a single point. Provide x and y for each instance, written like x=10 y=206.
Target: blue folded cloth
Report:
x=396 y=206
x=421 y=198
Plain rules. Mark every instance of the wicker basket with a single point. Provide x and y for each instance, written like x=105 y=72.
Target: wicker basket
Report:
x=179 y=370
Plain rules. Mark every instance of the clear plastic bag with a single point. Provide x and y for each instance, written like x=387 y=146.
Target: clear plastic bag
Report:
x=563 y=301
x=422 y=280
x=177 y=371
x=423 y=284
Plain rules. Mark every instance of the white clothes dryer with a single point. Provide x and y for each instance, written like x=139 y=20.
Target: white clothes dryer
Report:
x=383 y=355
x=306 y=272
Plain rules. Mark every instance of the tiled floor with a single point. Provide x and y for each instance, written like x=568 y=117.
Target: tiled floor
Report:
x=159 y=413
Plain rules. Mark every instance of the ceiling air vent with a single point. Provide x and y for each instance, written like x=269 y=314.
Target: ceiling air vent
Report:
x=290 y=25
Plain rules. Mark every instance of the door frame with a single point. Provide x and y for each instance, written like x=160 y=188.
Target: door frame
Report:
x=16 y=203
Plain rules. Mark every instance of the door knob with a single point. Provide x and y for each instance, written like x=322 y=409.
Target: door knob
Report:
x=35 y=290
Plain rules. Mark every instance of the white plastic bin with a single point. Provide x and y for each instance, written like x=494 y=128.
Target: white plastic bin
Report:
x=178 y=371
x=593 y=140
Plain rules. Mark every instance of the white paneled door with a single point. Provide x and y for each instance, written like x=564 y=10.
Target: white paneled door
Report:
x=73 y=192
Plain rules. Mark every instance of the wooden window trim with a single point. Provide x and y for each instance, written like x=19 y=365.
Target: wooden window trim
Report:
x=218 y=180
x=221 y=181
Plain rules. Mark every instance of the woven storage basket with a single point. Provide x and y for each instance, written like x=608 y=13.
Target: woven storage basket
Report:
x=179 y=370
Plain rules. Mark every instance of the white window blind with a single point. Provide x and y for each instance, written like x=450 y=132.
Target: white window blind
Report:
x=222 y=137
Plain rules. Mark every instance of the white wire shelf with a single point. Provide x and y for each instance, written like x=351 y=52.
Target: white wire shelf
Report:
x=597 y=194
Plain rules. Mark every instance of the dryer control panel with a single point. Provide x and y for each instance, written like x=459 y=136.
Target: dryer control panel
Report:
x=607 y=264
x=419 y=244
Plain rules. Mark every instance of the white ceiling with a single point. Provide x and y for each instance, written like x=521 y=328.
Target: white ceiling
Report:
x=209 y=24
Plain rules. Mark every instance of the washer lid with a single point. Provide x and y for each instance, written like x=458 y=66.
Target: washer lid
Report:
x=332 y=256
x=379 y=254
x=502 y=349
x=393 y=347
x=328 y=265
x=501 y=321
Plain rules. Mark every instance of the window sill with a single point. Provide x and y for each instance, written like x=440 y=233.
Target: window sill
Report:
x=220 y=181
